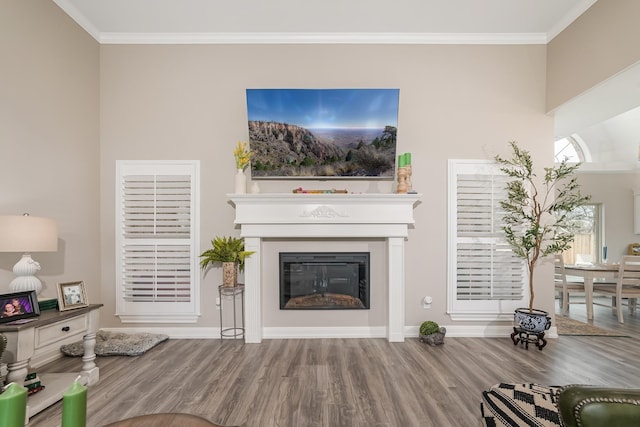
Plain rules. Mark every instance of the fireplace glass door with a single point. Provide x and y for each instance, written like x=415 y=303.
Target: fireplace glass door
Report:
x=324 y=280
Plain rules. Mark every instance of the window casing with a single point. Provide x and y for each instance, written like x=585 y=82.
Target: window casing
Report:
x=485 y=280
x=571 y=148
x=156 y=241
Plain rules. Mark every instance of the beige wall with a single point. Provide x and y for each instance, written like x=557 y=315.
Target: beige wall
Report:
x=602 y=42
x=49 y=138
x=188 y=102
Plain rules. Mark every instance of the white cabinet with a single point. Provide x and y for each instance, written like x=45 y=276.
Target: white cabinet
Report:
x=31 y=345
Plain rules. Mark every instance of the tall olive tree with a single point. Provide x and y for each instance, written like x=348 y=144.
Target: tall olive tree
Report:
x=537 y=220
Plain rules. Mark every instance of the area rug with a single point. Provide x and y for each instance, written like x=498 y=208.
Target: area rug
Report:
x=508 y=405
x=568 y=326
x=117 y=344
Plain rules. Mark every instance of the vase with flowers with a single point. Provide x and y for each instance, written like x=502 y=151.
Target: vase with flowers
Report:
x=242 y=156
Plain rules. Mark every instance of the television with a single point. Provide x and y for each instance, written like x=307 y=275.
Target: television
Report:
x=322 y=133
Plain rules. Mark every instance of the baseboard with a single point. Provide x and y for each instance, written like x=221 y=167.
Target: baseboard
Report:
x=477 y=331
x=459 y=331
x=199 y=333
x=324 y=332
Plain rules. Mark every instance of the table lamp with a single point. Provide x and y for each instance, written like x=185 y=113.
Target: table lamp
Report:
x=24 y=233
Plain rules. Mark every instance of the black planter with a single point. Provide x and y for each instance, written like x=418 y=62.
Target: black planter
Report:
x=529 y=327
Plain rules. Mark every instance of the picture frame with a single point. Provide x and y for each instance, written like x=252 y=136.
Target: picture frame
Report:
x=23 y=307
x=634 y=249
x=72 y=295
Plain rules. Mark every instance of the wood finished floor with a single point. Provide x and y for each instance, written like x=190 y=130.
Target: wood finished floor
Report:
x=345 y=382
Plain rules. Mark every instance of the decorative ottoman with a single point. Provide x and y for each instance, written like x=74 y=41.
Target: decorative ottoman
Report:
x=514 y=405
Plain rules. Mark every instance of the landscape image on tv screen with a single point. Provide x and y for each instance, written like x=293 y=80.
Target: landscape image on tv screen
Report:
x=322 y=133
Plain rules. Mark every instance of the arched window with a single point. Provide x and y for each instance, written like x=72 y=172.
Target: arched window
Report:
x=571 y=148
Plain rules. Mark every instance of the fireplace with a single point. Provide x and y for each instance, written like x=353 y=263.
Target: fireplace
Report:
x=263 y=217
x=324 y=280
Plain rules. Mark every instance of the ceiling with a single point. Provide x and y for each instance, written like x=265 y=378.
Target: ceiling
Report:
x=414 y=21
x=612 y=139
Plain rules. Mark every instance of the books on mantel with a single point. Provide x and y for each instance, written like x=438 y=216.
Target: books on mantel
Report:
x=32 y=383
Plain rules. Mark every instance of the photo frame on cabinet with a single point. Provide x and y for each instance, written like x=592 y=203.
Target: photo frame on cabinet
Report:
x=72 y=295
x=634 y=249
x=19 y=307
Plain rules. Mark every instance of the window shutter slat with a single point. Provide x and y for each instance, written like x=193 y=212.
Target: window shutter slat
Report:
x=485 y=271
x=156 y=206
x=157 y=272
x=156 y=241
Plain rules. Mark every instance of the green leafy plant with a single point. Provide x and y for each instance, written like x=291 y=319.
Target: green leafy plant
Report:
x=225 y=249
x=429 y=327
x=537 y=220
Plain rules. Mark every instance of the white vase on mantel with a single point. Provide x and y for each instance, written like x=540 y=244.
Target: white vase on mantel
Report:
x=241 y=182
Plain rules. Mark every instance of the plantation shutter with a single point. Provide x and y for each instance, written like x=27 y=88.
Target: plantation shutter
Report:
x=157 y=272
x=484 y=275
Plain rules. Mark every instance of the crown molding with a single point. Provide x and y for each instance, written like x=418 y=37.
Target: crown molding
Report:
x=321 y=38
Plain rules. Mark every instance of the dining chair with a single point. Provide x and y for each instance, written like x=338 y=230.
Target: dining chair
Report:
x=563 y=286
x=627 y=286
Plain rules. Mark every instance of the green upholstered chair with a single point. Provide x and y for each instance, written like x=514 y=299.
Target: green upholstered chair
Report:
x=530 y=404
x=590 y=406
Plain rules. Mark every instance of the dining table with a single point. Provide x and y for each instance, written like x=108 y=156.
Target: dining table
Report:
x=600 y=273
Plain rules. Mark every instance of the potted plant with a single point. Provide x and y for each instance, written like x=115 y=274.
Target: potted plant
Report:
x=537 y=220
x=432 y=333
x=230 y=252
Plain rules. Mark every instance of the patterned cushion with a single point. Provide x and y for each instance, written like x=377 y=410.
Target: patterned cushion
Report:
x=515 y=405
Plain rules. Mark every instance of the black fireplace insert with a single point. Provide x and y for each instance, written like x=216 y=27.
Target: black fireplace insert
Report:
x=324 y=280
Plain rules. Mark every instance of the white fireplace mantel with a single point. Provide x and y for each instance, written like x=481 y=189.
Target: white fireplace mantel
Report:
x=302 y=216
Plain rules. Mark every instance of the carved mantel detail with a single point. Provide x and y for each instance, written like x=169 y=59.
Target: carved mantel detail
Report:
x=323 y=212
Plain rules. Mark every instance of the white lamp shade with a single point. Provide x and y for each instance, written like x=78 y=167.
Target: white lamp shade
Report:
x=24 y=233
